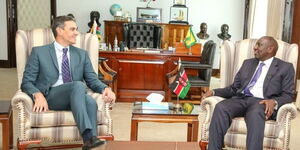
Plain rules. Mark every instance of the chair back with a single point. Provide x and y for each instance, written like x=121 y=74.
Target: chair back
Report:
x=234 y=53
x=207 y=57
x=25 y=40
x=142 y=35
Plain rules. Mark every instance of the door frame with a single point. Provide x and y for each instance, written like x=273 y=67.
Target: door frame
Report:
x=12 y=28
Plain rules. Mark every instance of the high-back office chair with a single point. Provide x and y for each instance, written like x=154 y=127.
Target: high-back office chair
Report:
x=55 y=127
x=142 y=35
x=277 y=133
x=204 y=67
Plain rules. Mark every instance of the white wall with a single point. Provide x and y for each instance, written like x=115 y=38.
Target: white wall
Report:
x=213 y=12
x=3 y=31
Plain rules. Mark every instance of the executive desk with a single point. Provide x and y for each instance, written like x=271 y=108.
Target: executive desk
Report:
x=140 y=74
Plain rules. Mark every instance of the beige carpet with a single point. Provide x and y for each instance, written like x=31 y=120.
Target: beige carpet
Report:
x=121 y=115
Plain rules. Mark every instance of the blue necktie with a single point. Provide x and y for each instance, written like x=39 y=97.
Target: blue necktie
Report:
x=253 y=81
x=65 y=67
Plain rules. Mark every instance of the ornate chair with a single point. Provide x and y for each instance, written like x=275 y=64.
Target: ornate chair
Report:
x=277 y=133
x=142 y=35
x=54 y=127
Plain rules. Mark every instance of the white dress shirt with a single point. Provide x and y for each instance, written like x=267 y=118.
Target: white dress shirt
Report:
x=257 y=89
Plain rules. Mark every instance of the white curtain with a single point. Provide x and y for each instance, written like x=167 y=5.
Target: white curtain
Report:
x=266 y=18
x=275 y=16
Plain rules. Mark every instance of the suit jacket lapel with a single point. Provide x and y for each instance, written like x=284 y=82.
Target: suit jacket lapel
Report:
x=272 y=70
x=72 y=60
x=53 y=55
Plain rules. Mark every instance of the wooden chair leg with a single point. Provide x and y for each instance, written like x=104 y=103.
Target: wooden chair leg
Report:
x=22 y=145
x=203 y=145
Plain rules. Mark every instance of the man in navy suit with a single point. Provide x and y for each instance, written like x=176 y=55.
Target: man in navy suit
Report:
x=56 y=76
x=260 y=87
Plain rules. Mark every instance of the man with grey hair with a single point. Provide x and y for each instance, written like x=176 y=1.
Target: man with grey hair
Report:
x=260 y=87
x=56 y=76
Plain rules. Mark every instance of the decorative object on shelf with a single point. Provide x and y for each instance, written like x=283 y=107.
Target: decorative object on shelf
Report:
x=179 y=2
x=148 y=14
x=179 y=14
x=114 y=9
x=94 y=25
x=149 y=3
x=203 y=31
x=127 y=16
x=224 y=35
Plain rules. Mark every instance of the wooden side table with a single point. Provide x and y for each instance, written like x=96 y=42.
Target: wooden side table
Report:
x=6 y=120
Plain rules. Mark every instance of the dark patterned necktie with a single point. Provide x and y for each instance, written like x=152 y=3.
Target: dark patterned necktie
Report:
x=65 y=67
x=253 y=81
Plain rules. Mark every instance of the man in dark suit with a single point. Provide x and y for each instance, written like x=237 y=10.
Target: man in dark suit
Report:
x=56 y=76
x=260 y=87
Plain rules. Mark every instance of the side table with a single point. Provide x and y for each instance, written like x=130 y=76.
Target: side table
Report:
x=6 y=120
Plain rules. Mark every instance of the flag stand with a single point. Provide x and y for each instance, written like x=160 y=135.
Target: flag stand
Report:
x=177 y=106
x=190 y=51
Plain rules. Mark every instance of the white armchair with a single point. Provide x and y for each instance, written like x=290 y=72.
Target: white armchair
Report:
x=277 y=133
x=55 y=127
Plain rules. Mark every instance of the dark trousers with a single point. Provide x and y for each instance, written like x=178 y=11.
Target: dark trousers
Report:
x=72 y=96
x=226 y=110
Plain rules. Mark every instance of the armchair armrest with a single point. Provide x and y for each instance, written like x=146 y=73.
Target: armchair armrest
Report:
x=24 y=99
x=286 y=111
x=207 y=107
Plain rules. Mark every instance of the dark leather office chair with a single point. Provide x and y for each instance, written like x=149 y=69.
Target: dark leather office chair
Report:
x=142 y=35
x=204 y=66
x=202 y=79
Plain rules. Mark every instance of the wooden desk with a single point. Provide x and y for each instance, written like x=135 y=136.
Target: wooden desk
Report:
x=148 y=145
x=6 y=120
x=140 y=74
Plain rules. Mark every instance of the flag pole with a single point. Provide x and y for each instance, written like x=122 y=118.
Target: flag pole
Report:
x=177 y=106
x=190 y=50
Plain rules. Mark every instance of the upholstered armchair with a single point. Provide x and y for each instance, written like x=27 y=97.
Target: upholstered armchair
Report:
x=142 y=35
x=54 y=127
x=277 y=133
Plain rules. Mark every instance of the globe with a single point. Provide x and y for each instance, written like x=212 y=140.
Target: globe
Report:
x=114 y=8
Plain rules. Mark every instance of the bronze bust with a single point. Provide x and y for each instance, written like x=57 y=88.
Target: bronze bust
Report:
x=203 y=31
x=224 y=35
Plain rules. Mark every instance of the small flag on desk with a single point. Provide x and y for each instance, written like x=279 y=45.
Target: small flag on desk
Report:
x=190 y=39
x=181 y=84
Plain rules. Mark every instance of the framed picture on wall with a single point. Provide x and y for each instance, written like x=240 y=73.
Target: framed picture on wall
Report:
x=148 y=14
x=179 y=15
x=179 y=2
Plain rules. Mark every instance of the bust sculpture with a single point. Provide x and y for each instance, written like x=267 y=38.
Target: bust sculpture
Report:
x=94 y=15
x=224 y=35
x=203 y=31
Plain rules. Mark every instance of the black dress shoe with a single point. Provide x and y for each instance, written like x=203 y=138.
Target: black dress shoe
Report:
x=93 y=142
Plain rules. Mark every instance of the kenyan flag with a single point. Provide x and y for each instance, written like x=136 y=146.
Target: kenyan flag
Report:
x=181 y=84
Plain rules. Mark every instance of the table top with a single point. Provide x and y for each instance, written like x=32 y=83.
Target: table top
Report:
x=4 y=107
x=147 y=145
x=139 y=110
